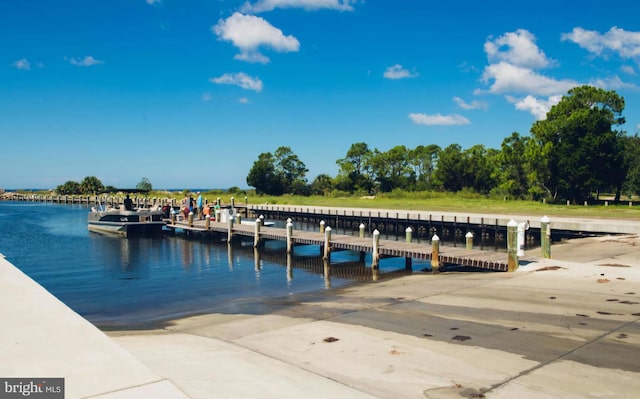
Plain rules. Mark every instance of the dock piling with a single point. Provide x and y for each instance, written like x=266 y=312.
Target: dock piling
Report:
x=512 y=245
x=327 y=242
x=256 y=236
x=289 y=236
x=545 y=237
x=469 y=240
x=229 y=229
x=375 y=255
x=435 y=254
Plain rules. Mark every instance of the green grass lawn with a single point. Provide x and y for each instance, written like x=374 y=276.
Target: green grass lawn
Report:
x=453 y=203
x=431 y=201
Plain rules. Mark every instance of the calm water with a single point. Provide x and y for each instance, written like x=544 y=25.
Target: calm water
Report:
x=113 y=281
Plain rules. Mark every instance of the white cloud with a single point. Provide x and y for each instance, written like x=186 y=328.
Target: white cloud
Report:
x=475 y=104
x=239 y=79
x=514 y=59
x=508 y=78
x=244 y=100
x=438 y=119
x=612 y=83
x=153 y=2
x=248 y=32
x=268 y=5
x=516 y=48
x=85 y=62
x=22 y=64
x=398 y=72
x=628 y=69
x=536 y=106
x=624 y=43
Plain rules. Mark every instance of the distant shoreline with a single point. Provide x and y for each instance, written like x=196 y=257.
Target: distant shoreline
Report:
x=204 y=190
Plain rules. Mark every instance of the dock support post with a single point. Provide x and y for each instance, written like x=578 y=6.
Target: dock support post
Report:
x=207 y=222
x=512 y=245
x=322 y=226
x=190 y=219
x=261 y=220
x=173 y=216
x=407 y=263
x=522 y=227
x=238 y=218
x=469 y=240
x=327 y=243
x=256 y=237
x=435 y=254
x=362 y=226
x=545 y=237
x=229 y=229
x=289 y=236
x=408 y=234
x=375 y=256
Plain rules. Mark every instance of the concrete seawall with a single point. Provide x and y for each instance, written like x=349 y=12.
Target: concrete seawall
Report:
x=40 y=337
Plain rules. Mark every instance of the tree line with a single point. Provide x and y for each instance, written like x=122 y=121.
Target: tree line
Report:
x=93 y=185
x=574 y=154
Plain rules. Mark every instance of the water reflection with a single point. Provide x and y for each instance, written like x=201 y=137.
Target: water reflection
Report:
x=122 y=259
x=256 y=259
x=111 y=280
x=289 y=268
x=349 y=265
x=327 y=273
x=230 y=257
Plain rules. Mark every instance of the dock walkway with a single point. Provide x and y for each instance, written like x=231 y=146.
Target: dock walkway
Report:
x=484 y=259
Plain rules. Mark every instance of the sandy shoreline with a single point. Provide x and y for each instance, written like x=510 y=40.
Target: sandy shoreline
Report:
x=570 y=329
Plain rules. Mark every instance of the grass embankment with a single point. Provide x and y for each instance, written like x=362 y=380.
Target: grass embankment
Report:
x=446 y=202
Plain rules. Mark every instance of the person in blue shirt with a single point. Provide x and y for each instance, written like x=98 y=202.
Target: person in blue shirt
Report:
x=199 y=205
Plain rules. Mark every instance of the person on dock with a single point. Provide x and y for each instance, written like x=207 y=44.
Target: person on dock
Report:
x=190 y=203
x=199 y=205
x=128 y=203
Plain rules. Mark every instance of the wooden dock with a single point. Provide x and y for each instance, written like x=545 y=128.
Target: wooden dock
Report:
x=482 y=259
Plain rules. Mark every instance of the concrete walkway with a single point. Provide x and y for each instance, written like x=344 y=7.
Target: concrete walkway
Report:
x=562 y=328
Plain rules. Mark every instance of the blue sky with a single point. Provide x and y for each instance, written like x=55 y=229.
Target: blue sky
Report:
x=188 y=93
